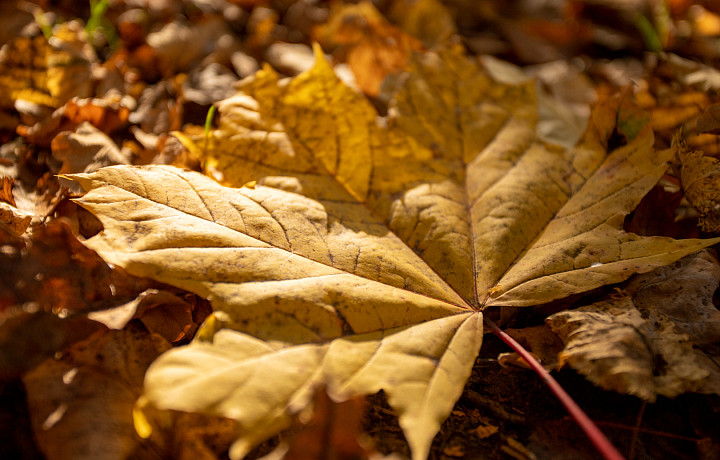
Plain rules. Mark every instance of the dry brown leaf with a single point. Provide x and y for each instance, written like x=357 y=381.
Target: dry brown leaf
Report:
x=6 y=185
x=92 y=389
x=375 y=48
x=684 y=292
x=28 y=338
x=700 y=176
x=160 y=311
x=14 y=219
x=168 y=315
x=58 y=274
x=427 y=20
x=85 y=150
x=199 y=437
x=658 y=337
x=332 y=432
x=47 y=72
x=207 y=84
x=541 y=341
x=485 y=429
x=709 y=120
x=108 y=115
x=159 y=109
x=179 y=46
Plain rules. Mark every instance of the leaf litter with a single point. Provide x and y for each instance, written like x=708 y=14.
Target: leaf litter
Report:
x=334 y=226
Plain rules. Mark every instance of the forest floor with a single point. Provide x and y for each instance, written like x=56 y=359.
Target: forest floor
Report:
x=156 y=66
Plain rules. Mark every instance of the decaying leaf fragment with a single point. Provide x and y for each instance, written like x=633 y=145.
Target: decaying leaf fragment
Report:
x=332 y=431
x=47 y=72
x=14 y=219
x=375 y=48
x=657 y=337
x=86 y=150
x=362 y=258
x=700 y=178
x=91 y=389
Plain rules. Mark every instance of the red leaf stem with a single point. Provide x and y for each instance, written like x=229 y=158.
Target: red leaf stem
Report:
x=602 y=444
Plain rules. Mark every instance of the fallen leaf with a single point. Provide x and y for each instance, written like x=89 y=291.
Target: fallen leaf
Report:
x=108 y=114
x=262 y=25
x=14 y=219
x=427 y=20
x=658 y=337
x=375 y=48
x=199 y=436
x=541 y=341
x=700 y=176
x=160 y=311
x=92 y=389
x=55 y=273
x=179 y=46
x=6 y=185
x=208 y=84
x=29 y=337
x=289 y=58
x=85 y=150
x=457 y=451
x=363 y=257
x=485 y=430
x=169 y=316
x=684 y=293
x=47 y=72
x=159 y=110
x=332 y=432
x=709 y=120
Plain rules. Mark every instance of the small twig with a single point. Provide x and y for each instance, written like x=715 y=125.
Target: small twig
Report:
x=602 y=444
x=478 y=400
x=664 y=434
x=636 y=430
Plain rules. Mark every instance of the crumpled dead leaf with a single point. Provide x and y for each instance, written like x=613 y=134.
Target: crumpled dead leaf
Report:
x=375 y=48
x=541 y=341
x=92 y=389
x=159 y=109
x=709 y=120
x=47 y=72
x=86 y=150
x=332 y=431
x=179 y=46
x=700 y=177
x=29 y=337
x=659 y=336
x=56 y=273
x=14 y=219
x=6 y=185
x=160 y=311
x=208 y=84
x=427 y=20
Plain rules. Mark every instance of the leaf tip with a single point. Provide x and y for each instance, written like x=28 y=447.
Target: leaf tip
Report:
x=140 y=421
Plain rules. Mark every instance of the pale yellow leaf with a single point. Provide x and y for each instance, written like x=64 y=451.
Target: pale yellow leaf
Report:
x=422 y=370
x=367 y=247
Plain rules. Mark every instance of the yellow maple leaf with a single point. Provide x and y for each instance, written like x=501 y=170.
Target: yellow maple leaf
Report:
x=366 y=252
x=47 y=71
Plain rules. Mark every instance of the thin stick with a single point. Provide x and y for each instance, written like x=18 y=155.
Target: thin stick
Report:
x=636 y=431
x=602 y=444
